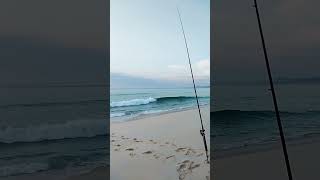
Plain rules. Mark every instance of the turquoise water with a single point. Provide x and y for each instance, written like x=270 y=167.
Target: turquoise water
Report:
x=129 y=103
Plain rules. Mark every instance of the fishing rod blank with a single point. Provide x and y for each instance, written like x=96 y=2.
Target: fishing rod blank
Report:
x=202 y=131
x=284 y=147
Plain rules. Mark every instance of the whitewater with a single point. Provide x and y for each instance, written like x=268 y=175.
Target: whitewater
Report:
x=128 y=104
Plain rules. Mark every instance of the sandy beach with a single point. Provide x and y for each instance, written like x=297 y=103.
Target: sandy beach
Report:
x=268 y=163
x=160 y=147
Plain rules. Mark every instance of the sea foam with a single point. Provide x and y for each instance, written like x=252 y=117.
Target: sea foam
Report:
x=133 y=102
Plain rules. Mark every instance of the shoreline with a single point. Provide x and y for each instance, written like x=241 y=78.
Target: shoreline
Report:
x=247 y=149
x=257 y=148
x=143 y=116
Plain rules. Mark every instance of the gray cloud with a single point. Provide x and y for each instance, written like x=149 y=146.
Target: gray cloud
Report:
x=79 y=23
x=119 y=80
x=291 y=31
x=45 y=41
x=24 y=61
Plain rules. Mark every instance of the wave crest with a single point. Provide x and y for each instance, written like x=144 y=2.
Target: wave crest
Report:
x=137 y=102
x=133 y=102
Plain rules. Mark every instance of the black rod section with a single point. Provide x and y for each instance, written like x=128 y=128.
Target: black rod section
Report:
x=202 y=131
x=283 y=142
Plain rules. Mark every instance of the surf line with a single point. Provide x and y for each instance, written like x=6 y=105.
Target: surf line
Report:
x=283 y=142
x=202 y=130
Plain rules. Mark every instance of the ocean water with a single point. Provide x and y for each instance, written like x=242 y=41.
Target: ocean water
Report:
x=243 y=116
x=126 y=104
x=52 y=129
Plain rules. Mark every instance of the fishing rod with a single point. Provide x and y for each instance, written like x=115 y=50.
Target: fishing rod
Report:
x=202 y=130
x=283 y=142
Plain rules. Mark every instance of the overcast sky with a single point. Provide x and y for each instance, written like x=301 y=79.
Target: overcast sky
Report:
x=146 y=39
x=291 y=29
x=45 y=41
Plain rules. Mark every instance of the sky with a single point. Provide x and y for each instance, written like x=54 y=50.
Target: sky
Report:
x=146 y=40
x=75 y=23
x=291 y=30
x=44 y=41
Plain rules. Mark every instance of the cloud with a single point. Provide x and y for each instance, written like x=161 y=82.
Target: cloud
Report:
x=120 y=80
x=291 y=35
x=173 y=75
x=201 y=70
x=176 y=75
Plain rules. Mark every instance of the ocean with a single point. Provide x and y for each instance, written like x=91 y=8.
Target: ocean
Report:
x=128 y=104
x=65 y=128
x=243 y=116
x=51 y=129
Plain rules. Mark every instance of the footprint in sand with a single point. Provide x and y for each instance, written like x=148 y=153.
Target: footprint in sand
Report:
x=156 y=156
x=152 y=141
x=200 y=154
x=193 y=166
x=190 y=152
x=170 y=156
x=185 y=167
x=147 y=152
x=180 y=149
x=136 y=140
x=130 y=149
x=181 y=168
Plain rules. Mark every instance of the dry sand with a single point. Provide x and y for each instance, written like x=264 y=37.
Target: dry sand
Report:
x=162 y=147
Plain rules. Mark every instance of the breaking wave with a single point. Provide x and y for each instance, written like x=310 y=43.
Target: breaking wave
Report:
x=137 y=102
